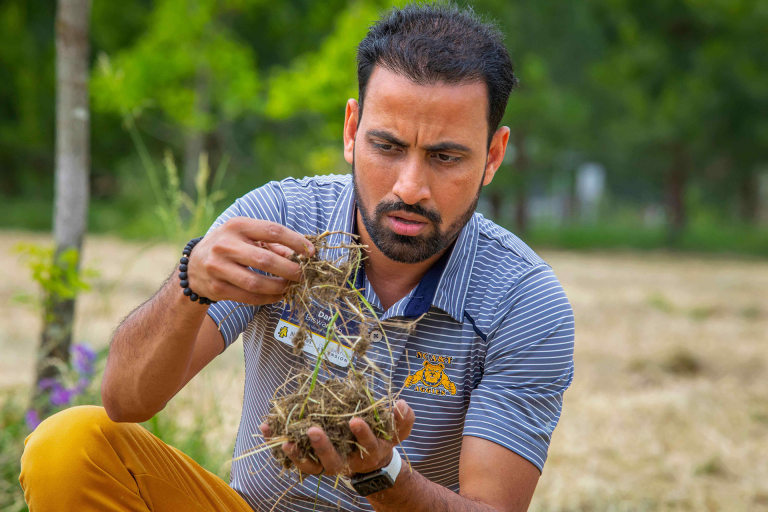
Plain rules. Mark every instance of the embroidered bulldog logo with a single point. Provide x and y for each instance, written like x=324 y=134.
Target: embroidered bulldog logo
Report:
x=430 y=379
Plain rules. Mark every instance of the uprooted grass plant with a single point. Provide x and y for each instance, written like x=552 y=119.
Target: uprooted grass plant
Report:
x=329 y=401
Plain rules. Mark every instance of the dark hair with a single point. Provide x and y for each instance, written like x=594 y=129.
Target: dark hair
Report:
x=439 y=43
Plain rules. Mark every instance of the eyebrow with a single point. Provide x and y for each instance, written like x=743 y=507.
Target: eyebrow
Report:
x=432 y=148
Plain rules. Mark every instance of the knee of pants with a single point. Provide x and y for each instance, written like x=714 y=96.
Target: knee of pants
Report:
x=61 y=444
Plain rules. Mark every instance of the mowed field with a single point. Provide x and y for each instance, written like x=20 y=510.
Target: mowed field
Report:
x=668 y=410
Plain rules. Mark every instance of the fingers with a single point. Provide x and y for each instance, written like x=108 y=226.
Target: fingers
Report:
x=271 y=232
x=374 y=453
x=280 y=249
x=264 y=259
x=365 y=436
x=265 y=431
x=251 y=281
x=404 y=419
x=329 y=461
x=305 y=465
x=329 y=457
x=226 y=291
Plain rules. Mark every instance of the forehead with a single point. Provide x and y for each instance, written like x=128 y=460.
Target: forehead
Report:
x=427 y=112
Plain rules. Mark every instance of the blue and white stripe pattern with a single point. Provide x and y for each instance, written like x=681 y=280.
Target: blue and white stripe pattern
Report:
x=491 y=358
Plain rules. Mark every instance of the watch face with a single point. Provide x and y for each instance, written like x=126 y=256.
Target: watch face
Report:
x=371 y=484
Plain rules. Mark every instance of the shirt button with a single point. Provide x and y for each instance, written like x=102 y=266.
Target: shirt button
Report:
x=376 y=336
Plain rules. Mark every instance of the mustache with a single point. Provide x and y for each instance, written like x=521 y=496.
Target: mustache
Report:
x=393 y=206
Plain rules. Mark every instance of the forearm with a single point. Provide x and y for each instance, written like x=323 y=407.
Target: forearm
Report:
x=413 y=492
x=150 y=354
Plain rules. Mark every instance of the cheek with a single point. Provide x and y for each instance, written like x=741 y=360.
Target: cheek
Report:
x=454 y=193
x=375 y=176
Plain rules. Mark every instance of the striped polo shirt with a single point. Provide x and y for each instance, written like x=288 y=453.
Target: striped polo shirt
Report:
x=491 y=358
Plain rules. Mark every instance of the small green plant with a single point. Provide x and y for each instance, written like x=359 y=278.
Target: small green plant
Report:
x=660 y=302
x=12 y=433
x=58 y=276
x=712 y=467
x=701 y=313
x=683 y=363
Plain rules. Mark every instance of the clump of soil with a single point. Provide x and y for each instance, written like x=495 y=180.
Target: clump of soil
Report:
x=330 y=406
x=306 y=400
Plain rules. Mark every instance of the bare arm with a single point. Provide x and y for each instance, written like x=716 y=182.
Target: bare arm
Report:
x=151 y=353
x=167 y=340
x=491 y=479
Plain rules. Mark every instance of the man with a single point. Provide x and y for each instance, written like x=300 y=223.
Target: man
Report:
x=484 y=370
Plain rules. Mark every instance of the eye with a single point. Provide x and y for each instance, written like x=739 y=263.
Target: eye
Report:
x=384 y=146
x=447 y=159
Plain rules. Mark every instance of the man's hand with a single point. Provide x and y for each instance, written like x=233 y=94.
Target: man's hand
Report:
x=377 y=452
x=218 y=267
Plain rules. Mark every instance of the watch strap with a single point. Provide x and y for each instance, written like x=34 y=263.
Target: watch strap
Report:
x=394 y=466
x=376 y=481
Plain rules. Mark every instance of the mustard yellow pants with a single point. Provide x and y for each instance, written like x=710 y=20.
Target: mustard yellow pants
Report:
x=80 y=461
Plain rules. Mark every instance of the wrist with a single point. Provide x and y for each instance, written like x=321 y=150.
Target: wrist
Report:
x=184 y=276
x=380 y=480
x=185 y=310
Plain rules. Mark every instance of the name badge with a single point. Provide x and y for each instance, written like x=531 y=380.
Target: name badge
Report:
x=317 y=323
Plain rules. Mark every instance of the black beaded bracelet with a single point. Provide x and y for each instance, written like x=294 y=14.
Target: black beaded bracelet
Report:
x=183 y=277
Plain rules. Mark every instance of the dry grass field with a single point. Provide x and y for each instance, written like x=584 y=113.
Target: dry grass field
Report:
x=668 y=411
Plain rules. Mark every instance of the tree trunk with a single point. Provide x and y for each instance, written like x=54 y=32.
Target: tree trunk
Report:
x=749 y=190
x=676 y=183
x=495 y=199
x=521 y=193
x=72 y=169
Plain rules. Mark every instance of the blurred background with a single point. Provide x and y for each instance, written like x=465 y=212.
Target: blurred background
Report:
x=637 y=167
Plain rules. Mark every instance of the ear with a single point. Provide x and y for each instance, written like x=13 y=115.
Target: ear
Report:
x=441 y=365
x=426 y=363
x=496 y=153
x=351 y=116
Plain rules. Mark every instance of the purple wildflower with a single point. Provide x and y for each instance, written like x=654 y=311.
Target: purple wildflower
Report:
x=61 y=395
x=82 y=385
x=83 y=358
x=32 y=419
x=48 y=383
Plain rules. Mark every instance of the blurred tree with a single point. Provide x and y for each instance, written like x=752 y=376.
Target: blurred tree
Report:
x=321 y=82
x=26 y=96
x=189 y=65
x=684 y=83
x=72 y=168
x=541 y=113
x=548 y=114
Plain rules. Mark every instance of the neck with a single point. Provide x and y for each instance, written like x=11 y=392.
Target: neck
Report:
x=391 y=280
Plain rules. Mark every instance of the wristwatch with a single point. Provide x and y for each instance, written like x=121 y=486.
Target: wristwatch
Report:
x=369 y=483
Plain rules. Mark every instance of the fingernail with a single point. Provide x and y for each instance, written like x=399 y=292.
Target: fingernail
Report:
x=314 y=437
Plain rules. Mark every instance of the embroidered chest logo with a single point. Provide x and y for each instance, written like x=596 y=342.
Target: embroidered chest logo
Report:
x=432 y=378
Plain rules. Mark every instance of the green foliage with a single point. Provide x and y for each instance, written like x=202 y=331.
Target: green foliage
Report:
x=12 y=433
x=321 y=82
x=58 y=275
x=717 y=238
x=185 y=47
x=630 y=84
x=182 y=217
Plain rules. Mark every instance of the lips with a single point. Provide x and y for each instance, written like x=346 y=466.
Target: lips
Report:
x=404 y=224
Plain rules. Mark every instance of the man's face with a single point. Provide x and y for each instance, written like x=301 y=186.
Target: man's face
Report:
x=420 y=158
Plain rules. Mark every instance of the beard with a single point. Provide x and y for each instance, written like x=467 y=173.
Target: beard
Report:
x=405 y=248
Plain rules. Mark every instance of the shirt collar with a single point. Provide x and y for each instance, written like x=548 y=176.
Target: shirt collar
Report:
x=444 y=285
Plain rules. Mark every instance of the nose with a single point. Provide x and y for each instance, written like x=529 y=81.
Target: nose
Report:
x=412 y=185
